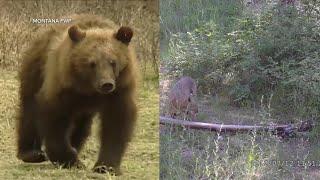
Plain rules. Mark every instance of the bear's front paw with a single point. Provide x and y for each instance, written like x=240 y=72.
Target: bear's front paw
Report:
x=34 y=156
x=105 y=169
x=64 y=157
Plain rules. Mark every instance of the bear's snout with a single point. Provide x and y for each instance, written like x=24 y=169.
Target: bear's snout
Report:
x=107 y=87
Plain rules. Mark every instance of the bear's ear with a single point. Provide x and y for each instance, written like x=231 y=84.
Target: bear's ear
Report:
x=124 y=35
x=76 y=34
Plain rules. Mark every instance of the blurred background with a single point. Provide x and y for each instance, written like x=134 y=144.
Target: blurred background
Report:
x=17 y=29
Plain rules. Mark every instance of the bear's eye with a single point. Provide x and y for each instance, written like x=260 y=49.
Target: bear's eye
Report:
x=92 y=64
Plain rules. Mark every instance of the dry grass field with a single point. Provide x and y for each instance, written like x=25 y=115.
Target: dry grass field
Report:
x=141 y=160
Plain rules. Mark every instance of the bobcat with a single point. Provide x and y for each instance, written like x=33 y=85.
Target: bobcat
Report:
x=182 y=99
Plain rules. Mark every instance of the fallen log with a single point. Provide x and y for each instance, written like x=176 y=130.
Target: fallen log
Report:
x=281 y=130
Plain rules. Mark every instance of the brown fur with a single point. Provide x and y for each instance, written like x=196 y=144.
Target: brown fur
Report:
x=182 y=98
x=69 y=73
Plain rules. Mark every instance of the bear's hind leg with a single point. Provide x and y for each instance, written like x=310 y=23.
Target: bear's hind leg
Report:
x=29 y=141
x=81 y=130
x=55 y=126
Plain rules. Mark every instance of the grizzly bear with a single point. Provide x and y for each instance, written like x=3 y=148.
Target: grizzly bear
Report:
x=70 y=73
x=182 y=98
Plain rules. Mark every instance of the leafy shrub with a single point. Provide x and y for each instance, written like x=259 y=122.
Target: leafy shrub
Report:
x=275 y=53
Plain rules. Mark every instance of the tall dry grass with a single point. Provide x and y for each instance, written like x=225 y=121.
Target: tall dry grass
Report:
x=17 y=29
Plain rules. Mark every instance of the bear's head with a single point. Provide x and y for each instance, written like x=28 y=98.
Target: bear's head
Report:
x=97 y=57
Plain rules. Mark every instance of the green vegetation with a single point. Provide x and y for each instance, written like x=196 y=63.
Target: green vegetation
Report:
x=245 y=55
x=255 y=63
x=194 y=154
